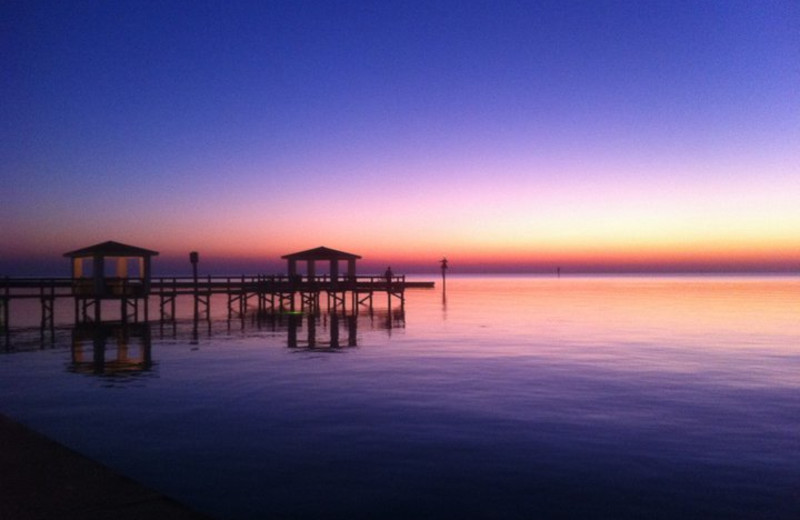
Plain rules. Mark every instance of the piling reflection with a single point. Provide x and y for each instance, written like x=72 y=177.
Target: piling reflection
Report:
x=111 y=349
x=122 y=349
x=322 y=331
x=310 y=329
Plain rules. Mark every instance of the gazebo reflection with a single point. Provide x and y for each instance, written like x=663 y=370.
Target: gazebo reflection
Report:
x=341 y=331
x=111 y=349
x=331 y=331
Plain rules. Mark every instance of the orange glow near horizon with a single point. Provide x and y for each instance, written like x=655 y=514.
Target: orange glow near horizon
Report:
x=483 y=250
x=631 y=224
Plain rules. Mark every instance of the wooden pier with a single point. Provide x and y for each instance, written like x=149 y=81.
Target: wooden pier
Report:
x=242 y=294
x=133 y=286
x=280 y=293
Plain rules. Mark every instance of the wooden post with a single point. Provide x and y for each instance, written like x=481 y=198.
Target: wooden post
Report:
x=208 y=302
x=230 y=298
x=389 y=294
x=4 y=301
x=260 y=295
x=311 y=325
x=194 y=257
x=292 y=285
x=334 y=330
x=443 y=263
x=352 y=326
x=402 y=283
x=243 y=301
x=124 y=292
x=294 y=322
x=43 y=300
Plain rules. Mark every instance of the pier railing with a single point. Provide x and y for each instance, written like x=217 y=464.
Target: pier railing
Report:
x=277 y=283
x=270 y=292
x=13 y=288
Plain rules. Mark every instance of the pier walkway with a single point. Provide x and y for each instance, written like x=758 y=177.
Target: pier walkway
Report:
x=244 y=293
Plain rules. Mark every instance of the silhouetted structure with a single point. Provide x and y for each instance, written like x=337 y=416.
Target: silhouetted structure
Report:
x=322 y=254
x=335 y=287
x=90 y=290
x=131 y=284
x=312 y=340
x=5 y=297
x=113 y=348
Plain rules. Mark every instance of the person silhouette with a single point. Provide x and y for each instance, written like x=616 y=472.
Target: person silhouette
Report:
x=388 y=275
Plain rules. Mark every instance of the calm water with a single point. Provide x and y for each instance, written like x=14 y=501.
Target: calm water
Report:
x=515 y=397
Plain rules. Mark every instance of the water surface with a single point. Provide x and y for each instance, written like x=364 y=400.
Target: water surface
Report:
x=511 y=397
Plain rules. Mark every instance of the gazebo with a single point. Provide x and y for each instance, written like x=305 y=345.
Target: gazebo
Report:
x=129 y=282
x=103 y=286
x=322 y=254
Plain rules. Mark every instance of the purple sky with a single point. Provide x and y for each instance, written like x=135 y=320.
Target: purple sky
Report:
x=505 y=135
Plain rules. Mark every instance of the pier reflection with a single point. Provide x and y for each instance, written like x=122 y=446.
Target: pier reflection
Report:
x=123 y=349
x=303 y=330
x=111 y=349
x=320 y=332
x=312 y=330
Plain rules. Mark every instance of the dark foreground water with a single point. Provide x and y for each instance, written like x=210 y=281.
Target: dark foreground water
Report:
x=519 y=397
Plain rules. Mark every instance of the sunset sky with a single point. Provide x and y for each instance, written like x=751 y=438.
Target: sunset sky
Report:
x=507 y=136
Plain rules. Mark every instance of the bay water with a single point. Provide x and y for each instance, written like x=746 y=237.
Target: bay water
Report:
x=501 y=397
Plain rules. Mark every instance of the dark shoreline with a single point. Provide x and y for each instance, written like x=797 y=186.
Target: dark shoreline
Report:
x=40 y=478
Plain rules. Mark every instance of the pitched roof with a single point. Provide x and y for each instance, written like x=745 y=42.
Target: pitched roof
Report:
x=110 y=248
x=321 y=253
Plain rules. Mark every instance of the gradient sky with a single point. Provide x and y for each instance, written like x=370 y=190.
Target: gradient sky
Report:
x=505 y=135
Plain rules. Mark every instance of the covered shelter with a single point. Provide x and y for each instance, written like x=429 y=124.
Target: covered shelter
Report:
x=129 y=278
x=322 y=254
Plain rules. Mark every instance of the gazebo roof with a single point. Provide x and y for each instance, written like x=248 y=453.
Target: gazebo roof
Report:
x=321 y=253
x=110 y=248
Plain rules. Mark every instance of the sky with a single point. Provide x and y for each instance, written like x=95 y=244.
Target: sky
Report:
x=506 y=136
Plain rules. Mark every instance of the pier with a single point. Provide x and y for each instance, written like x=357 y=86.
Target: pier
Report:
x=242 y=294
x=134 y=289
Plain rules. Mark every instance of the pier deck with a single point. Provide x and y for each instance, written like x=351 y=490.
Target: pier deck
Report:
x=270 y=292
x=31 y=288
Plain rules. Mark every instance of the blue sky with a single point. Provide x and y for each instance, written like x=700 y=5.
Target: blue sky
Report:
x=505 y=134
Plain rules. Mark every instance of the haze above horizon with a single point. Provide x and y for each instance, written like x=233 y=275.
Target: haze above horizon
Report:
x=507 y=136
